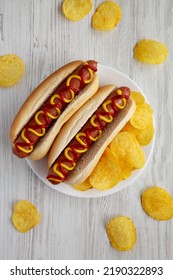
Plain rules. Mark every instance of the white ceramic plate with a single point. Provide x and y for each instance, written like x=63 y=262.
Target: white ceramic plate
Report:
x=107 y=76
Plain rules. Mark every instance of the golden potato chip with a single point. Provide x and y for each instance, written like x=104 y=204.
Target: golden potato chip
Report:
x=144 y=136
x=126 y=169
x=138 y=159
x=157 y=203
x=76 y=9
x=25 y=216
x=128 y=127
x=106 y=174
x=150 y=51
x=86 y=185
x=11 y=69
x=107 y=16
x=127 y=150
x=143 y=116
x=121 y=232
x=137 y=97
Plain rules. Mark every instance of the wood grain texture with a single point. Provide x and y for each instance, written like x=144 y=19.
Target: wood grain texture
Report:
x=73 y=228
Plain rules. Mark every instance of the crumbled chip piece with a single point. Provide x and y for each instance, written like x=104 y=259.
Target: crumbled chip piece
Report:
x=137 y=97
x=107 y=172
x=144 y=136
x=157 y=203
x=25 y=216
x=143 y=116
x=121 y=232
x=150 y=51
x=127 y=150
x=86 y=185
x=107 y=16
x=11 y=69
x=76 y=9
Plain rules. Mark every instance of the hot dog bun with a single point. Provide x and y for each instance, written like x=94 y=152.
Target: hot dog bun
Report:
x=88 y=161
x=39 y=96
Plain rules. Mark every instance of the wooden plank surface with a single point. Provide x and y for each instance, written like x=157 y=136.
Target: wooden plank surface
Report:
x=74 y=228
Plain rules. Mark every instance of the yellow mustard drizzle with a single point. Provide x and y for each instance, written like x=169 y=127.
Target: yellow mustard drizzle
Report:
x=119 y=92
x=52 y=102
x=63 y=165
x=107 y=119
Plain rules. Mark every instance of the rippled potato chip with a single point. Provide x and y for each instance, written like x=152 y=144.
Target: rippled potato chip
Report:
x=86 y=185
x=121 y=232
x=76 y=9
x=107 y=172
x=143 y=116
x=157 y=203
x=127 y=150
x=137 y=97
x=11 y=69
x=107 y=16
x=126 y=169
x=25 y=216
x=144 y=136
x=150 y=51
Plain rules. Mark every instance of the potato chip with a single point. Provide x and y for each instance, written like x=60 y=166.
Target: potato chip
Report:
x=76 y=9
x=107 y=172
x=126 y=172
x=150 y=51
x=126 y=169
x=157 y=203
x=11 y=70
x=127 y=150
x=144 y=136
x=86 y=185
x=143 y=116
x=107 y=16
x=121 y=232
x=128 y=127
x=25 y=216
x=137 y=97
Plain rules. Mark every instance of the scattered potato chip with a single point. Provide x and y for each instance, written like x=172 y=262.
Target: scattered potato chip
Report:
x=143 y=116
x=121 y=232
x=157 y=203
x=11 y=69
x=150 y=51
x=86 y=185
x=144 y=136
x=127 y=150
x=76 y=9
x=106 y=174
x=137 y=97
x=107 y=16
x=25 y=216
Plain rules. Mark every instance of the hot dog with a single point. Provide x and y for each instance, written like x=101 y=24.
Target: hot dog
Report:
x=83 y=139
x=49 y=106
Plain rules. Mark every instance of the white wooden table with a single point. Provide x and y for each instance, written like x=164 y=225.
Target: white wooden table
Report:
x=74 y=228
